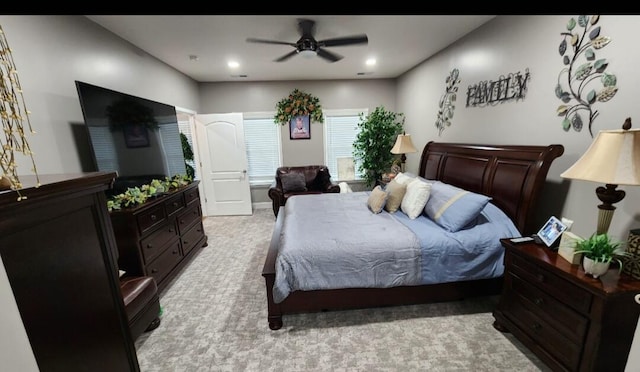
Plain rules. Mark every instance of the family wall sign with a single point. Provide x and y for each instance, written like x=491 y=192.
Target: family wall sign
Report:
x=506 y=88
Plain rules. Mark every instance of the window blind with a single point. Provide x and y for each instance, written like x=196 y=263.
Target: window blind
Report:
x=340 y=133
x=262 y=142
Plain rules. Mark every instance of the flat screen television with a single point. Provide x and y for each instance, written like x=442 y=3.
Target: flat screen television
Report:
x=135 y=137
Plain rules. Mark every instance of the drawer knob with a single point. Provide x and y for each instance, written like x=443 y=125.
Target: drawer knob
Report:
x=186 y=242
x=153 y=271
x=540 y=278
x=153 y=217
x=182 y=222
x=174 y=252
x=538 y=301
x=149 y=245
x=170 y=230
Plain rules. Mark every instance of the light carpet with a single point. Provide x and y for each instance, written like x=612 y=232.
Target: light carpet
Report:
x=215 y=319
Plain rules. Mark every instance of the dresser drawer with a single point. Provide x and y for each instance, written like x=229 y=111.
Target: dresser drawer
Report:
x=165 y=262
x=188 y=217
x=544 y=334
x=570 y=323
x=191 y=195
x=560 y=288
x=151 y=218
x=174 y=204
x=152 y=245
x=191 y=238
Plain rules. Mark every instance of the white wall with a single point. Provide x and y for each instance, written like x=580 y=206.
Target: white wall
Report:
x=510 y=44
x=333 y=95
x=50 y=53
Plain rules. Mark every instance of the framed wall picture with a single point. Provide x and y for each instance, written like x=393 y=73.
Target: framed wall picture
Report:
x=299 y=127
x=136 y=135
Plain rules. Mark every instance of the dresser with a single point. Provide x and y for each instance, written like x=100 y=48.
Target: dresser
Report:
x=59 y=253
x=570 y=320
x=159 y=237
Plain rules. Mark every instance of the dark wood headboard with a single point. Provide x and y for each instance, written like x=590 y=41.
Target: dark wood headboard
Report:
x=512 y=175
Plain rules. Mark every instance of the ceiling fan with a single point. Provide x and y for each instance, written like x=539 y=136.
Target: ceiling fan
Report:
x=307 y=45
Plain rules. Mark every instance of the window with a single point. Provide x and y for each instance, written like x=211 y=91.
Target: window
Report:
x=340 y=131
x=184 y=125
x=262 y=142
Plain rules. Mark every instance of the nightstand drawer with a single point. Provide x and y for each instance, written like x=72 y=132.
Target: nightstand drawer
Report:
x=544 y=334
x=561 y=289
x=566 y=320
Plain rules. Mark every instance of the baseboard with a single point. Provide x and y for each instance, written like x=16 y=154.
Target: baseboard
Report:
x=261 y=205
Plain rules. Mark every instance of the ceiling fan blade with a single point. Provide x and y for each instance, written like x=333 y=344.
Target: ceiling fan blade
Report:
x=286 y=56
x=347 y=40
x=263 y=41
x=329 y=56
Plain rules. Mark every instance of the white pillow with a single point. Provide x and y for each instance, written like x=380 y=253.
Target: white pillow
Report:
x=415 y=198
x=403 y=178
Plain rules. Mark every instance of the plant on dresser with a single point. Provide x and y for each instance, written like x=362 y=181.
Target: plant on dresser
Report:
x=599 y=250
x=157 y=238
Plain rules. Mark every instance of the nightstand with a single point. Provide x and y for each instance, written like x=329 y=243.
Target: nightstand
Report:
x=570 y=320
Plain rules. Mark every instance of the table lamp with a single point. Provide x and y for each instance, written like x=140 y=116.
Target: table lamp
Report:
x=403 y=146
x=613 y=159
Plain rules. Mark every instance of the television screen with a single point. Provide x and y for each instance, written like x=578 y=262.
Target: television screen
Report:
x=136 y=137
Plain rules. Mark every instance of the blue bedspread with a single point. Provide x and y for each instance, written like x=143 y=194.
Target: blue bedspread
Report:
x=334 y=241
x=473 y=253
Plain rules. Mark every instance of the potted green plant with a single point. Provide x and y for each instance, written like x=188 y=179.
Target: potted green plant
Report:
x=599 y=250
x=372 y=147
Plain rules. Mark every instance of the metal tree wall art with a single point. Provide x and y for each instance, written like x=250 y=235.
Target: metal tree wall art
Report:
x=13 y=114
x=446 y=104
x=577 y=50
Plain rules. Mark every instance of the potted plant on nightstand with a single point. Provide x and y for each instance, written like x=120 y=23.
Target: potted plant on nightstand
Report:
x=599 y=250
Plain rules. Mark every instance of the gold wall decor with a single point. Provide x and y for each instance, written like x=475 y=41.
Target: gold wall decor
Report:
x=14 y=114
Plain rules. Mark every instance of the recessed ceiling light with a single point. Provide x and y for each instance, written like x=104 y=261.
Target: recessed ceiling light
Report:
x=193 y=57
x=233 y=64
x=371 y=62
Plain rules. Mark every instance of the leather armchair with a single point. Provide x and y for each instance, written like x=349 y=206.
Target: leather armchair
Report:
x=317 y=181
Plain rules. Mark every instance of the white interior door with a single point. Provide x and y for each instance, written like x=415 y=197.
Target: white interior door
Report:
x=224 y=164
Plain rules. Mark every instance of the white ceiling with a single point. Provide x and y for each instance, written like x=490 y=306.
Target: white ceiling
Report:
x=398 y=43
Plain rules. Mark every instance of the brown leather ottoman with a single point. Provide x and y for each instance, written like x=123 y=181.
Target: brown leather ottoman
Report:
x=141 y=303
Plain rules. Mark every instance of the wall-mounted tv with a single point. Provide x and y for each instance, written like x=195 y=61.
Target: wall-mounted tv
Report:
x=136 y=137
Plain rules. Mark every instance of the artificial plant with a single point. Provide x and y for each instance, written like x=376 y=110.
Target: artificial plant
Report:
x=188 y=155
x=376 y=136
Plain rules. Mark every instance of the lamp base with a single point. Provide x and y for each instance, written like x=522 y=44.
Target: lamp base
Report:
x=607 y=195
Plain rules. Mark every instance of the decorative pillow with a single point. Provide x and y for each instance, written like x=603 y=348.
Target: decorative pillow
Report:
x=292 y=182
x=452 y=207
x=395 y=192
x=415 y=198
x=403 y=178
x=377 y=199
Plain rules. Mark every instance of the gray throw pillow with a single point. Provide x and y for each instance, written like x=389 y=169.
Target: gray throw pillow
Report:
x=293 y=182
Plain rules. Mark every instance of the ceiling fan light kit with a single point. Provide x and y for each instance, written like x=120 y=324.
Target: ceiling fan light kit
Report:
x=308 y=46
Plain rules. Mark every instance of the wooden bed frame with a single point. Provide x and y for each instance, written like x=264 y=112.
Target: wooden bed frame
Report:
x=512 y=175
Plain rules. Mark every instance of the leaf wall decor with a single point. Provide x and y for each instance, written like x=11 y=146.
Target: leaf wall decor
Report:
x=574 y=87
x=447 y=101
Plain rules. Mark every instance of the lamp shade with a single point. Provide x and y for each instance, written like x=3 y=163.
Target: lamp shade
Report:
x=612 y=158
x=403 y=145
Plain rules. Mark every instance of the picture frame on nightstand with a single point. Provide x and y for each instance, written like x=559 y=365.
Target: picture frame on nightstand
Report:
x=551 y=231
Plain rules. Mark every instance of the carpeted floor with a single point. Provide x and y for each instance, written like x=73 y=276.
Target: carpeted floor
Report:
x=215 y=319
